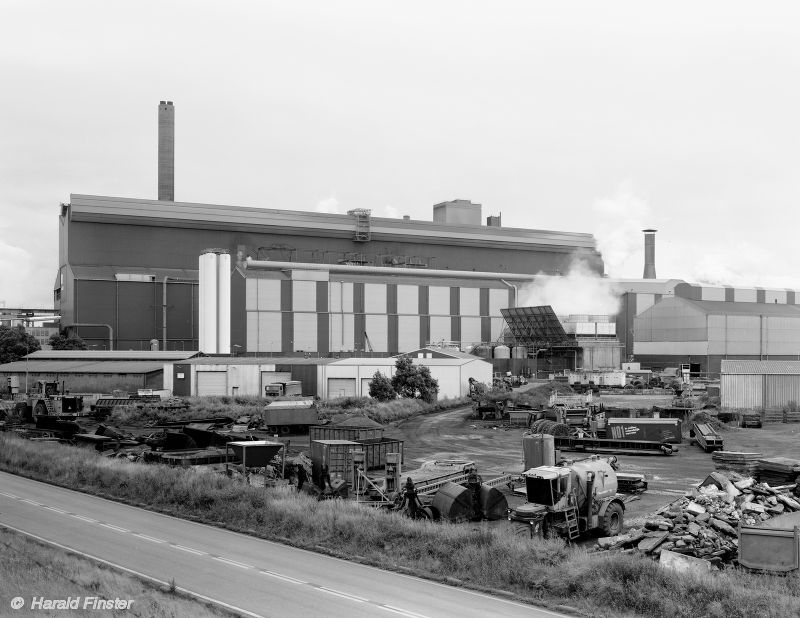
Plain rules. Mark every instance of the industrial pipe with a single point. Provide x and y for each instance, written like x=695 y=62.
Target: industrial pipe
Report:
x=385 y=270
x=108 y=326
x=514 y=287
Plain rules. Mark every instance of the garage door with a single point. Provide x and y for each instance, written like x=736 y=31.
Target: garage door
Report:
x=212 y=383
x=271 y=377
x=365 y=382
x=341 y=387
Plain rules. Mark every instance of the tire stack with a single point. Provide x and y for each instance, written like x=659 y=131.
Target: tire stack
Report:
x=551 y=427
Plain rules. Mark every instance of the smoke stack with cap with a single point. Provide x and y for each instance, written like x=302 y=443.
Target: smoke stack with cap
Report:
x=649 y=254
x=166 y=151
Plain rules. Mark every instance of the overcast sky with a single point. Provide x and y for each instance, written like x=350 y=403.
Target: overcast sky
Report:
x=603 y=117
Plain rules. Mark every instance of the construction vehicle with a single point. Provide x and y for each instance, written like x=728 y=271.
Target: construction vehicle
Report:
x=292 y=388
x=571 y=500
x=49 y=399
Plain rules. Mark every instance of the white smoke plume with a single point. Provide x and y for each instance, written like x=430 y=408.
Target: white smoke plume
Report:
x=580 y=291
x=619 y=221
x=330 y=205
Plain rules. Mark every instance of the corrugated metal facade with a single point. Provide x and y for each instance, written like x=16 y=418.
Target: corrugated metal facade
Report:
x=766 y=385
x=294 y=313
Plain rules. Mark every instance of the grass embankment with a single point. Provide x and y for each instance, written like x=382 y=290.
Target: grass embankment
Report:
x=547 y=571
x=388 y=411
x=234 y=407
x=32 y=569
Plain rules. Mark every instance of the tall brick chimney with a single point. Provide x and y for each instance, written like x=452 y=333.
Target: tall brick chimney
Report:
x=166 y=151
x=649 y=254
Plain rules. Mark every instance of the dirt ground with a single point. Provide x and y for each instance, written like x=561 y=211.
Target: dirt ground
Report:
x=495 y=450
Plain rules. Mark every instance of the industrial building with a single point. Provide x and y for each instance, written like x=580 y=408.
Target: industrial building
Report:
x=338 y=285
x=704 y=333
x=92 y=371
x=326 y=378
x=764 y=385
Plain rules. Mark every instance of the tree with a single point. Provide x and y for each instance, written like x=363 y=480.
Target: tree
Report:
x=67 y=341
x=413 y=381
x=381 y=388
x=15 y=343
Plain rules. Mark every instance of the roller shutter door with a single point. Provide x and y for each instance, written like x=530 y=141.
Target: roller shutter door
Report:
x=212 y=383
x=365 y=382
x=341 y=387
x=271 y=377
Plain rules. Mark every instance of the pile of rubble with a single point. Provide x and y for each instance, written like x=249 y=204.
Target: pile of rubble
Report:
x=704 y=523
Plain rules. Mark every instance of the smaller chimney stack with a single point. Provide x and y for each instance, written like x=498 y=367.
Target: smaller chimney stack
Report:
x=649 y=254
x=166 y=151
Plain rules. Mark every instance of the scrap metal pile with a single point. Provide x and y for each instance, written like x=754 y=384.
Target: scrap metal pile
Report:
x=704 y=523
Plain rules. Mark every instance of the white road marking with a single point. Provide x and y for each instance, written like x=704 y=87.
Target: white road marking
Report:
x=190 y=550
x=241 y=565
x=52 y=508
x=117 y=528
x=149 y=538
x=344 y=595
x=33 y=502
x=402 y=612
x=12 y=496
x=196 y=595
x=82 y=518
x=285 y=578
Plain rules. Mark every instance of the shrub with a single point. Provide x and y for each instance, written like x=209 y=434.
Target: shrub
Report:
x=381 y=388
x=414 y=381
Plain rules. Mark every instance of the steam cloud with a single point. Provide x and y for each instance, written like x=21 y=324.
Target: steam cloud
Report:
x=580 y=291
x=618 y=231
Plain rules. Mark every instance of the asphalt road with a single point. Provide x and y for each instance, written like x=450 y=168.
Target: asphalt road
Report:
x=250 y=576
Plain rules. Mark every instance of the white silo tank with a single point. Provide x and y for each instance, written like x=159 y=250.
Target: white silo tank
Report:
x=519 y=351
x=502 y=351
x=223 y=303
x=207 y=308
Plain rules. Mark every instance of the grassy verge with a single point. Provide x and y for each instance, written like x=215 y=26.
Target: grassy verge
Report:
x=389 y=411
x=31 y=569
x=481 y=557
x=199 y=407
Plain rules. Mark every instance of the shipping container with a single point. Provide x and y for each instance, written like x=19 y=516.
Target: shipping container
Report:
x=286 y=416
x=337 y=455
x=653 y=429
x=336 y=432
x=375 y=452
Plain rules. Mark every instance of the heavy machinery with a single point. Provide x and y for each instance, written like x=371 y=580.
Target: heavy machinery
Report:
x=571 y=500
x=49 y=399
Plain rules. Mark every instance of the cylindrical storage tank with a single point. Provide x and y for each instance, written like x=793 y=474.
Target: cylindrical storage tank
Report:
x=154 y=345
x=207 y=304
x=501 y=351
x=519 y=351
x=492 y=503
x=454 y=503
x=224 y=304
x=482 y=351
x=538 y=449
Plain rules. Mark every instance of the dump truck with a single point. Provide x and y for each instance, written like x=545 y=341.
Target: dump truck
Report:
x=292 y=388
x=570 y=500
x=50 y=399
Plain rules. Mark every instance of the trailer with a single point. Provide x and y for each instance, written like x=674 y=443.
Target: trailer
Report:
x=706 y=437
x=296 y=415
x=613 y=445
x=648 y=429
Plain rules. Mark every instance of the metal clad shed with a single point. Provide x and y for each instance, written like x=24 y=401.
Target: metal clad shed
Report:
x=751 y=384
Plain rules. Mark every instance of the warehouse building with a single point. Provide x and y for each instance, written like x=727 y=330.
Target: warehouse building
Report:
x=704 y=333
x=326 y=378
x=760 y=385
x=92 y=371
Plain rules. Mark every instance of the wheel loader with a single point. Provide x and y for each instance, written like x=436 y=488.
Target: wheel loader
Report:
x=570 y=500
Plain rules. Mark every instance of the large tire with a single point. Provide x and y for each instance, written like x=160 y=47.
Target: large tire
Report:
x=613 y=520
